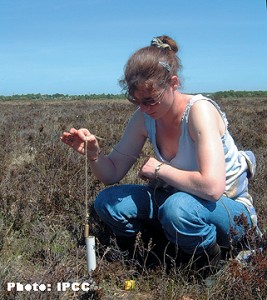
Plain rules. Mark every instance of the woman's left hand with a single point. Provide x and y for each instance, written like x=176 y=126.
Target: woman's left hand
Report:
x=147 y=171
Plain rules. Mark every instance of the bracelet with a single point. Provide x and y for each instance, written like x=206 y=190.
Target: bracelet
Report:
x=157 y=169
x=95 y=159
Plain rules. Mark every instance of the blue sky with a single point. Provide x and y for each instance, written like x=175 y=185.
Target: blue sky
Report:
x=81 y=46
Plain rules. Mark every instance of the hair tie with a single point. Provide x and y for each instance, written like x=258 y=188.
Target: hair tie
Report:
x=158 y=43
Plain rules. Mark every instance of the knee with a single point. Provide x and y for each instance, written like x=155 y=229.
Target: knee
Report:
x=102 y=202
x=177 y=210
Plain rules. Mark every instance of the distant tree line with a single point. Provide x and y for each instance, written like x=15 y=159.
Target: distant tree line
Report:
x=57 y=96
x=239 y=94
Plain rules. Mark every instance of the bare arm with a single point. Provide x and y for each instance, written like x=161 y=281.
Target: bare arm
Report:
x=111 y=168
x=205 y=126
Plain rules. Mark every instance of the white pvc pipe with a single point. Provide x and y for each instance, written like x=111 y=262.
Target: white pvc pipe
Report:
x=90 y=253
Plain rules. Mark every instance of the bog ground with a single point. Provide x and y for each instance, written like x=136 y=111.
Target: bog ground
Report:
x=42 y=185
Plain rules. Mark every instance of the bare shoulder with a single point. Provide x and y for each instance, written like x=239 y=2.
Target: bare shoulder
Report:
x=203 y=105
x=204 y=115
x=203 y=110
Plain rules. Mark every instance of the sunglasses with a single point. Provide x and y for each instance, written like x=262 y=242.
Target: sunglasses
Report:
x=148 y=101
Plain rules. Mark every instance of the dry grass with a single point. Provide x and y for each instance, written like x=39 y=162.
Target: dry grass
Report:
x=42 y=186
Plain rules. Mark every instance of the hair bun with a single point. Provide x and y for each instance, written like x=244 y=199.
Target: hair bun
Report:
x=164 y=42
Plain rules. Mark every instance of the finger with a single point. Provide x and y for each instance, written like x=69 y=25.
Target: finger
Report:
x=65 y=135
x=84 y=134
x=140 y=174
x=143 y=177
x=73 y=131
x=67 y=138
x=90 y=138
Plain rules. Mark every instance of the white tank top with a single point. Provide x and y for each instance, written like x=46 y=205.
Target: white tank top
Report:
x=239 y=165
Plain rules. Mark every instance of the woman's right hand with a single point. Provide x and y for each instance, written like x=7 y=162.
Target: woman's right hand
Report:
x=76 y=139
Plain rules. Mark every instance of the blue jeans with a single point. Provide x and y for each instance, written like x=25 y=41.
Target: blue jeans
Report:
x=189 y=222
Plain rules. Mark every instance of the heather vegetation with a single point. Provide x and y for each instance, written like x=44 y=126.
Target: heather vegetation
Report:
x=42 y=210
